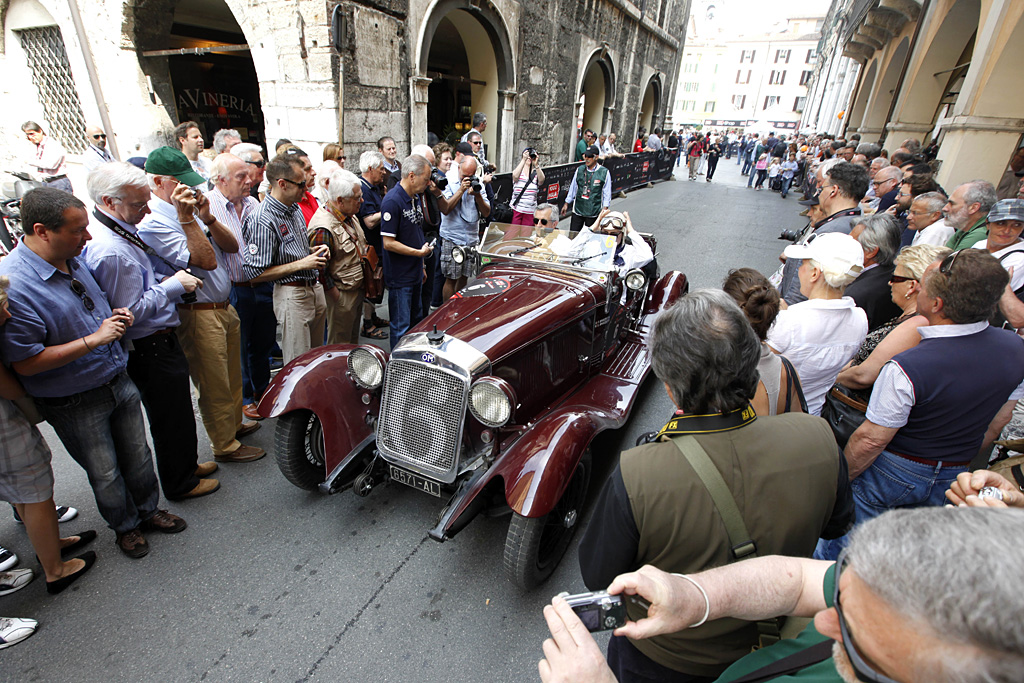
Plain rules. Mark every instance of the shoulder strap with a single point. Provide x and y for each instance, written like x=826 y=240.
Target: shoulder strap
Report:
x=791 y=376
x=739 y=538
x=797 y=661
x=528 y=181
x=136 y=241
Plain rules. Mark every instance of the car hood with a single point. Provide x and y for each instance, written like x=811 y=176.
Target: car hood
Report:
x=505 y=308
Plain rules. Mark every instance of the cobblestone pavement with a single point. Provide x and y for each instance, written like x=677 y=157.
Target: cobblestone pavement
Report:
x=271 y=583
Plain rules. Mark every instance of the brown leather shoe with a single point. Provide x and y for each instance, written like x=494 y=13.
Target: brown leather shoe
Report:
x=204 y=488
x=246 y=429
x=165 y=522
x=249 y=410
x=132 y=544
x=205 y=469
x=242 y=454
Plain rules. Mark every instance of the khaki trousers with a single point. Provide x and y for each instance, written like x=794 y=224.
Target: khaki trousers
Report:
x=302 y=314
x=212 y=344
x=344 y=316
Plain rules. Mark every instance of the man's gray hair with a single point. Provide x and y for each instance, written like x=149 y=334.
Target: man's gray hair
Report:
x=110 y=180
x=424 y=151
x=889 y=173
x=882 y=231
x=219 y=165
x=825 y=166
x=342 y=184
x=869 y=149
x=932 y=201
x=246 y=151
x=371 y=159
x=982 y=192
x=954 y=571
x=554 y=211
x=880 y=162
x=414 y=164
x=705 y=350
x=479 y=118
x=220 y=139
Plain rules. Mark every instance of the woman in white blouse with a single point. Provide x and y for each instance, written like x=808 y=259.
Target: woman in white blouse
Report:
x=821 y=334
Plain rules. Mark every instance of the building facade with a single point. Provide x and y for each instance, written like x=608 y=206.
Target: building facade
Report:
x=933 y=70
x=319 y=72
x=755 y=82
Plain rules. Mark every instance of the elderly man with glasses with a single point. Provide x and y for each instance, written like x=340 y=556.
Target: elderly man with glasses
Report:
x=62 y=342
x=891 y=610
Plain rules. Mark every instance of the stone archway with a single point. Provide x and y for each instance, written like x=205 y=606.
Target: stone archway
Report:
x=595 y=96
x=860 y=104
x=471 y=68
x=650 y=104
x=877 y=108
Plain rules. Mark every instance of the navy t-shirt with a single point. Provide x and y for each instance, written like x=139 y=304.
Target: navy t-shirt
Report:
x=402 y=218
x=371 y=205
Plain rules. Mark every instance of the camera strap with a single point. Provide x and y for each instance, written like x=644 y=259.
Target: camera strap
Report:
x=529 y=180
x=134 y=240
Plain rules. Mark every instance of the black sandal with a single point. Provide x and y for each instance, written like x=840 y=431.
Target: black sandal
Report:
x=374 y=332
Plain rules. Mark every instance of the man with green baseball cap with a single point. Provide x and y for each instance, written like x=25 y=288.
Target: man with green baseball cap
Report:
x=172 y=162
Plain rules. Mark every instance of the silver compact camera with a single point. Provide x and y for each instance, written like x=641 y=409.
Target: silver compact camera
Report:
x=598 y=611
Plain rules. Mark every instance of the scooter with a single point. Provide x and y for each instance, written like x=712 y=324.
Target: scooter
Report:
x=10 y=207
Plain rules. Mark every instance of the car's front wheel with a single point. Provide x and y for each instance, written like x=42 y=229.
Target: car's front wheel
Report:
x=299 y=446
x=534 y=546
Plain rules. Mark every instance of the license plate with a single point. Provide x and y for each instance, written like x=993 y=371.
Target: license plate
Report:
x=415 y=481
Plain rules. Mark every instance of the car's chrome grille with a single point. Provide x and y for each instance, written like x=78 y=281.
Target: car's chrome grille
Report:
x=422 y=415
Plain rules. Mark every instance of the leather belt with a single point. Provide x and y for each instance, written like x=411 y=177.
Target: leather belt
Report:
x=167 y=330
x=299 y=283
x=931 y=463
x=205 y=306
x=247 y=283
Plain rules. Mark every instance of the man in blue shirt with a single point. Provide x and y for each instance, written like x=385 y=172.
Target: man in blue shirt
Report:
x=121 y=263
x=460 y=224
x=590 y=191
x=62 y=341
x=401 y=230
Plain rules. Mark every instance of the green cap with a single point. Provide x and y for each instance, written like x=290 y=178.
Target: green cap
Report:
x=173 y=162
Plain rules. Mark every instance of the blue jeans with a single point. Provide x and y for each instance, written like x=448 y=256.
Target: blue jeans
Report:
x=103 y=431
x=893 y=482
x=746 y=165
x=404 y=310
x=255 y=307
x=786 y=182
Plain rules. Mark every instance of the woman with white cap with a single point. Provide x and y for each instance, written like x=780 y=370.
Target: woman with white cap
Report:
x=821 y=334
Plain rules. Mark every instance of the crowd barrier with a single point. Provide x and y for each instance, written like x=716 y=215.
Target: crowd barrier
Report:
x=628 y=172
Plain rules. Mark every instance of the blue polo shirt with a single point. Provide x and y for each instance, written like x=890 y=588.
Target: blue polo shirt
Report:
x=45 y=311
x=370 y=206
x=402 y=218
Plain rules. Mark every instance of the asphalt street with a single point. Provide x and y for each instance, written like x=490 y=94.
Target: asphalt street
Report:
x=272 y=583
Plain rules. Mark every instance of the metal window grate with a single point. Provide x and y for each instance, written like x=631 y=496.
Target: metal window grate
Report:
x=51 y=74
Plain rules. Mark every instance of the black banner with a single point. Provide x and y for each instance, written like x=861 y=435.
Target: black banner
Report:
x=628 y=172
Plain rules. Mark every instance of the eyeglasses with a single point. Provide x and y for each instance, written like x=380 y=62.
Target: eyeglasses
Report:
x=101 y=136
x=258 y=164
x=947 y=263
x=542 y=221
x=293 y=182
x=896 y=279
x=79 y=289
x=477 y=142
x=861 y=668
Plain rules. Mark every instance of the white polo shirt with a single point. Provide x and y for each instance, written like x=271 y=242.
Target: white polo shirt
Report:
x=819 y=337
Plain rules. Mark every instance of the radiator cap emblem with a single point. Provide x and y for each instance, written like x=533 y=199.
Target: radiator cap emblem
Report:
x=427 y=357
x=434 y=337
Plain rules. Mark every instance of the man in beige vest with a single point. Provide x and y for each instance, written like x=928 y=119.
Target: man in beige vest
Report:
x=785 y=474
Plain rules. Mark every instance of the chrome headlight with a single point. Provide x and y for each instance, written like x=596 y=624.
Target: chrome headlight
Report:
x=366 y=365
x=491 y=400
x=635 y=279
x=458 y=254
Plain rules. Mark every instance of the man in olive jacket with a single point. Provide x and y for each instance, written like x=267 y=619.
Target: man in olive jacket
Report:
x=785 y=473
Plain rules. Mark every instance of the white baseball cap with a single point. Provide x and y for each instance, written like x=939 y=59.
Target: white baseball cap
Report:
x=836 y=253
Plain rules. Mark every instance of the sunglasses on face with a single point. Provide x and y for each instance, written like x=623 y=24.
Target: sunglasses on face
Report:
x=258 y=164
x=896 y=279
x=293 y=182
x=101 y=136
x=861 y=668
x=542 y=221
x=476 y=142
x=79 y=289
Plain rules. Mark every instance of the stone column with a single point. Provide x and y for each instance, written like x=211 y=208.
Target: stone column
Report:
x=418 y=98
x=507 y=154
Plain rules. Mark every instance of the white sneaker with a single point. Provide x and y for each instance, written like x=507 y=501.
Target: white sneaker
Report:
x=15 y=630
x=64 y=514
x=15 y=580
x=7 y=559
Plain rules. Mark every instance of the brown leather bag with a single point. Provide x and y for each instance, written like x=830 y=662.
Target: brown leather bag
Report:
x=373 y=269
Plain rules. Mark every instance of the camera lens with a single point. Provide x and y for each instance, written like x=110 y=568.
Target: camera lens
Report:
x=440 y=180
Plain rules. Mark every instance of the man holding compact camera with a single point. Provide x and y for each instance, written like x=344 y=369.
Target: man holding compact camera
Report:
x=590 y=191
x=120 y=261
x=460 y=224
x=714 y=486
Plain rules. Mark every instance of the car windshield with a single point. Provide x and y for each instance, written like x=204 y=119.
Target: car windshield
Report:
x=583 y=249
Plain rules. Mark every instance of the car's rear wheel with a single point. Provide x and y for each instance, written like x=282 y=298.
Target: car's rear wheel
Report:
x=534 y=547
x=299 y=446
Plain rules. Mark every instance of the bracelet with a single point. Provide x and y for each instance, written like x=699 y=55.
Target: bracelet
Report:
x=707 y=601
x=86 y=344
x=187 y=222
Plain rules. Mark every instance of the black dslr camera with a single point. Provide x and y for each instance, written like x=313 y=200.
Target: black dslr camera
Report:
x=532 y=152
x=598 y=611
x=439 y=179
x=791 y=235
x=474 y=183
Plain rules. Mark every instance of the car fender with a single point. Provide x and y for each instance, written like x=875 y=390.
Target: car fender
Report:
x=666 y=291
x=319 y=381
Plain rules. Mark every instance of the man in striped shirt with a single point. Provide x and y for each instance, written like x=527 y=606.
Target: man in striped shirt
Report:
x=277 y=251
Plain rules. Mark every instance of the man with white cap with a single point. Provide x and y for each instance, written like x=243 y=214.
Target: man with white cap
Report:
x=937 y=406
x=631 y=250
x=821 y=334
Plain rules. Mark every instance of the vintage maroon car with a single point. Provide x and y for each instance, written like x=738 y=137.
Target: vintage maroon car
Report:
x=492 y=401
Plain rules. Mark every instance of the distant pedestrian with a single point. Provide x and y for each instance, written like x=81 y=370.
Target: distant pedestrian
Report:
x=48 y=158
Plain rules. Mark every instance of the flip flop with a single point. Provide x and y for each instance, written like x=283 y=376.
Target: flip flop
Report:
x=375 y=333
